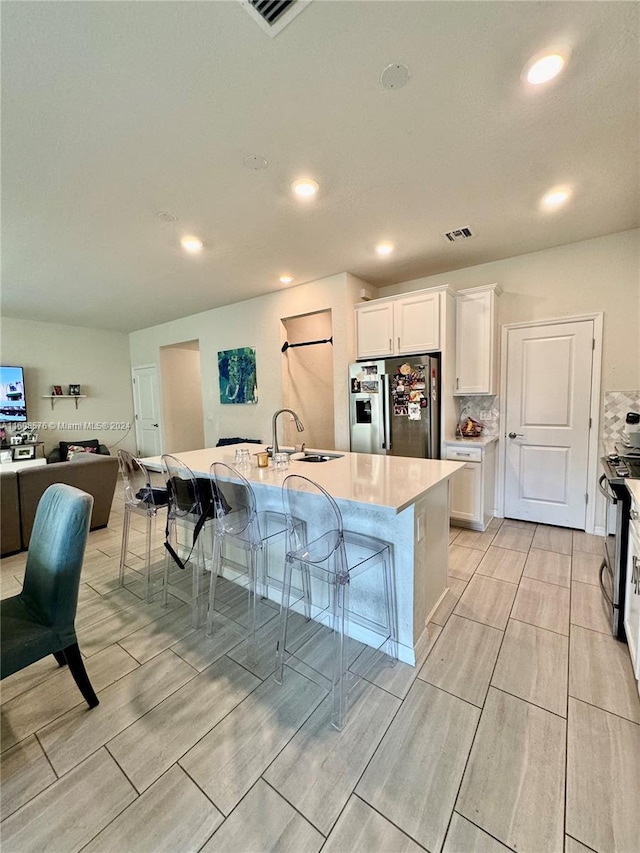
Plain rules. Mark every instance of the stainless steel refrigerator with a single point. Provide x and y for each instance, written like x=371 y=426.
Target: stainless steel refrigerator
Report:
x=394 y=406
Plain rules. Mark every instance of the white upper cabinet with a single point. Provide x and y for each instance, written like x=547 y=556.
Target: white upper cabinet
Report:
x=416 y=321
x=477 y=340
x=374 y=328
x=401 y=326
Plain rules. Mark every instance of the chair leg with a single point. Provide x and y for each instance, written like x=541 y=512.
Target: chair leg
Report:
x=149 y=586
x=79 y=673
x=251 y=607
x=284 y=615
x=197 y=583
x=215 y=571
x=340 y=673
x=392 y=647
x=59 y=656
x=126 y=523
x=167 y=566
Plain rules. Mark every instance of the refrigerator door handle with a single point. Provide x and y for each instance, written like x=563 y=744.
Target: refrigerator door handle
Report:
x=386 y=415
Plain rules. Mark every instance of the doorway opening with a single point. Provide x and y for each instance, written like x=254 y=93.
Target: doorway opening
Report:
x=182 y=397
x=307 y=380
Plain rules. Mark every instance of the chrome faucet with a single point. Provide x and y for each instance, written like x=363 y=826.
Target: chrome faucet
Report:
x=274 y=428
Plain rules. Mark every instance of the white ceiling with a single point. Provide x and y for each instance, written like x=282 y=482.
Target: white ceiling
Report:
x=113 y=111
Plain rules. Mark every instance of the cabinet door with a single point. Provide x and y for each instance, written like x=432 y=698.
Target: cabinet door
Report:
x=466 y=494
x=374 y=329
x=632 y=597
x=475 y=344
x=417 y=323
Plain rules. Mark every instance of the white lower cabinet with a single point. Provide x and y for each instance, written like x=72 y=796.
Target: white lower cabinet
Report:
x=632 y=592
x=472 y=487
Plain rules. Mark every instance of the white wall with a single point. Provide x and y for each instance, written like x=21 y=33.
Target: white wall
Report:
x=182 y=398
x=307 y=380
x=97 y=360
x=257 y=323
x=596 y=275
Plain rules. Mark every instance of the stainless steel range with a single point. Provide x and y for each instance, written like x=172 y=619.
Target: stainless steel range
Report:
x=618 y=468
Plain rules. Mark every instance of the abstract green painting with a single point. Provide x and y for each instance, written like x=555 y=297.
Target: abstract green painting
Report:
x=237 y=375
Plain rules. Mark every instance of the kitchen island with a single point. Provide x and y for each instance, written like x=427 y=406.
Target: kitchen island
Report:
x=401 y=500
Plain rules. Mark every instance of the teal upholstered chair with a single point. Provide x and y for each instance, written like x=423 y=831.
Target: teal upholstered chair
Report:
x=40 y=621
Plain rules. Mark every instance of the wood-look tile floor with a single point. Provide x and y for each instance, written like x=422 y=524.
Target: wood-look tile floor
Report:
x=519 y=729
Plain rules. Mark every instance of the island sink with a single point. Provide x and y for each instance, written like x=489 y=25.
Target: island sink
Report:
x=320 y=457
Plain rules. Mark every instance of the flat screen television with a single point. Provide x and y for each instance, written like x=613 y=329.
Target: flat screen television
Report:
x=13 y=404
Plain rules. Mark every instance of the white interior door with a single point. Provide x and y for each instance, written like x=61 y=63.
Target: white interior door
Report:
x=549 y=375
x=146 y=402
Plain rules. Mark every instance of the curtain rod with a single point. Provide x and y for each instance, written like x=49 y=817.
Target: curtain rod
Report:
x=286 y=345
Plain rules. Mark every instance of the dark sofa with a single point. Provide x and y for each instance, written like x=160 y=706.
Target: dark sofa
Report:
x=95 y=474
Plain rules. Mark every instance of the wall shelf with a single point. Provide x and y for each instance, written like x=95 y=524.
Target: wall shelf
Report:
x=53 y=397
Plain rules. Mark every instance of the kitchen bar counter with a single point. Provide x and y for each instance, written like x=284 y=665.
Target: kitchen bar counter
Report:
x=403 y=501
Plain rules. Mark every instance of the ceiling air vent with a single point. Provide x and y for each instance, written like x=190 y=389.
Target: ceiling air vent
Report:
x=458 y=234
x=273 y=15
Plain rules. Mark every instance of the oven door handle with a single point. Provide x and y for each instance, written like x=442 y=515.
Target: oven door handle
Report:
x=608 y=495
x=602 y=586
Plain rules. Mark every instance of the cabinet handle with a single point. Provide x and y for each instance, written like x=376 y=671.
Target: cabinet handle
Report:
x=635 y=574
x=390 y=346
x=634 y=514
x=398 y=343
x=457 y=383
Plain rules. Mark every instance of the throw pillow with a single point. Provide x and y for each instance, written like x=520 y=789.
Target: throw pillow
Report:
x=75 y=450
x=65 y=445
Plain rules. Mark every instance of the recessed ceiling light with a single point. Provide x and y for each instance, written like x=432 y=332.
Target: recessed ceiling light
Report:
x=286 y=279
x=165 y=216
x=384 y=249
x=545 y=65
x=191 y=244
x=555 y=198
x=305 y=187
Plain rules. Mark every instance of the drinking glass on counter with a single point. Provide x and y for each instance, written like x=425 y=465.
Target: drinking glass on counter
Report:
x=243 y=457
x=281 y=461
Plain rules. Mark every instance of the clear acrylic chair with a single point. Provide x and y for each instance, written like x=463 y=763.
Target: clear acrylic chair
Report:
x=188 y=514
x=332 y=559
x=240 y=526
x=137 y=481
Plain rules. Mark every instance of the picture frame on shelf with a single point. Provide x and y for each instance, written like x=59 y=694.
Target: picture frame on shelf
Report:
x=23 y=452
x=74 y=390
x=56 y=390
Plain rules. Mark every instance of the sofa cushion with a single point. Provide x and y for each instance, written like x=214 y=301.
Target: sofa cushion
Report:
x=65 y=445
x=94 y=474
x=10 y=540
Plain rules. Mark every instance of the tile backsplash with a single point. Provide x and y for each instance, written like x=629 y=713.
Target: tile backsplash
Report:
x=485 y=409
x=616 y=406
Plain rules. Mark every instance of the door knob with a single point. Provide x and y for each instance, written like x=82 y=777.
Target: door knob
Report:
x=516 y=435
x=155 y=425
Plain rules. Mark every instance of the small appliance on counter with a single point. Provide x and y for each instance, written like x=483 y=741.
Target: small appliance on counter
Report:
x=631 y=434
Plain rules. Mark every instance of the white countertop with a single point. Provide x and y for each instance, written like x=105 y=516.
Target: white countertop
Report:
x=482 y=440
x=393 y=482
x=634 y=488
